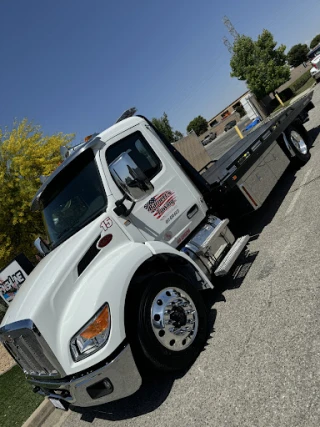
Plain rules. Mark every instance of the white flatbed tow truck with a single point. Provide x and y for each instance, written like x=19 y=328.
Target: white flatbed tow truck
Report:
x=135 y=236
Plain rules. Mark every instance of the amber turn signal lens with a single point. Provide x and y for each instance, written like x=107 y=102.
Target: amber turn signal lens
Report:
x=87 y=138
x=98 y=326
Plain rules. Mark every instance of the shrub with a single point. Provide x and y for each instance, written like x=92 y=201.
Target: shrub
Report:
x=300 y=81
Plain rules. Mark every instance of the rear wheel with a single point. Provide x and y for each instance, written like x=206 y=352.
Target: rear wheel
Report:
x=172 y=324
x=299 y=145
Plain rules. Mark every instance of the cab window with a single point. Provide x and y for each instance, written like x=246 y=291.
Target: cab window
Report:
x=139 y=150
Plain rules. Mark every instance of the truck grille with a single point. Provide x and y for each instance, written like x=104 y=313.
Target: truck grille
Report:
x=26 y=345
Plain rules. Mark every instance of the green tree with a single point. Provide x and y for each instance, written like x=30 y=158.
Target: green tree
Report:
x=260 y=63
x=315 y=41
x=177 y=135
x=25 y=154
x=163 y=126
x=198 y=124
x=240 y=110
x=298 y=54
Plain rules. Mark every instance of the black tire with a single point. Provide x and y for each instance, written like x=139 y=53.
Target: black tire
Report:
x=146 y=344
x=302 y=155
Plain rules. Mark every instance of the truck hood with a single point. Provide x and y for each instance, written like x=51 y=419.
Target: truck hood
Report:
x=60 y=300
x=52 y=282
x=46 y=279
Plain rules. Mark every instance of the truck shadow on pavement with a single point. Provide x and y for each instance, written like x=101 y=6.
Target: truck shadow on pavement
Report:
x=313 y=134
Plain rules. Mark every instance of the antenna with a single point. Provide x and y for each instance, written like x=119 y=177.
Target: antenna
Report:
x=230 y=27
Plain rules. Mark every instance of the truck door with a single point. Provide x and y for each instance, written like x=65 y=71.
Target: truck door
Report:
x=175 y=207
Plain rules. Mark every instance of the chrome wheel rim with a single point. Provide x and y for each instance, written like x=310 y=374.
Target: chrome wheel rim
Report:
x=298 y=142
x=174 y=319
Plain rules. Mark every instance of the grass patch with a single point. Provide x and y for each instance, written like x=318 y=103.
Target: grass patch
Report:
x=301 y=81
x=17 y=400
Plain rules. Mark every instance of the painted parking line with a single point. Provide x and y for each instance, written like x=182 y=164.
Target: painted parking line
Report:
x=298 y=192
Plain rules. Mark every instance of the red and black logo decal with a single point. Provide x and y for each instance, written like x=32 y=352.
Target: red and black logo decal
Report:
x=161 y=203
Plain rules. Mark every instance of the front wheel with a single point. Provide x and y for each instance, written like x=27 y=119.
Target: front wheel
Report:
x=172 y=324
x=300 y=147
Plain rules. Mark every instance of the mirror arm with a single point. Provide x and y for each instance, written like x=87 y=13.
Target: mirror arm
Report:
x=120 y=208
x=131 y=208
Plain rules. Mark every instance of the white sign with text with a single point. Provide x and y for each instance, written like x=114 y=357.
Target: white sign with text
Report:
x=11 y=278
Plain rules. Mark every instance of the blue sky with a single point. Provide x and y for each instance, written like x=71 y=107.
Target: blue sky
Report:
x=76 y=65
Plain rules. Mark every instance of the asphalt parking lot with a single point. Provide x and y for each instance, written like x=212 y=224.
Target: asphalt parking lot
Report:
x=226 y=140
x=261 y=366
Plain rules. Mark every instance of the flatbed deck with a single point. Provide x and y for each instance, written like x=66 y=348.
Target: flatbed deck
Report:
x=239 y=158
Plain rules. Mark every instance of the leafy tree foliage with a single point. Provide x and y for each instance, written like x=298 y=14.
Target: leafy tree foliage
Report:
x=240 y=110
x=260 y=63
x=198 y=124
x=298 y=54
x=25 y=154
x=163 y=126
x=177 y=135
x=315 y=41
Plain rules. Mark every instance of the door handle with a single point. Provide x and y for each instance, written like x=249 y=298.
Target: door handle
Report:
x=192 y=211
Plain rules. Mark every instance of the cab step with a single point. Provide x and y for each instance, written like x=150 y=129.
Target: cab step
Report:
x=232 y=255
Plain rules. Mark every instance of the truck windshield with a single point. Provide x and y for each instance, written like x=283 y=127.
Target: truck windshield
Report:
x=73 y=199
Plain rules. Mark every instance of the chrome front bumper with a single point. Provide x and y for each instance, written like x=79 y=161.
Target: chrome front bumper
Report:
x=111 y=381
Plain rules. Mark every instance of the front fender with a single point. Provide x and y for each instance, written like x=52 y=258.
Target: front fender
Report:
x=158 y=248
x=106 y=280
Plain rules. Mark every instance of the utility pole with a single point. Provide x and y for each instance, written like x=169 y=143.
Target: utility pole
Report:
x=233 y=33
x=230 y=27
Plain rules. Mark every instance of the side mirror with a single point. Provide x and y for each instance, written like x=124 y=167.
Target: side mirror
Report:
x=64 y=152
x=41 y=246
x=130 y=178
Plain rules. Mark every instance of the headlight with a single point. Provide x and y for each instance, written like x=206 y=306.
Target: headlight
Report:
x=92 y=336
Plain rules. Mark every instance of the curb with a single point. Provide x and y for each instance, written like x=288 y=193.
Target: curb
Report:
x=40 y=414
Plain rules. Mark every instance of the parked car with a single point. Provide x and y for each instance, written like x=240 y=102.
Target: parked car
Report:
x=252 y=124
x=209 y=138
x=230 y=125
x=315 y=70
